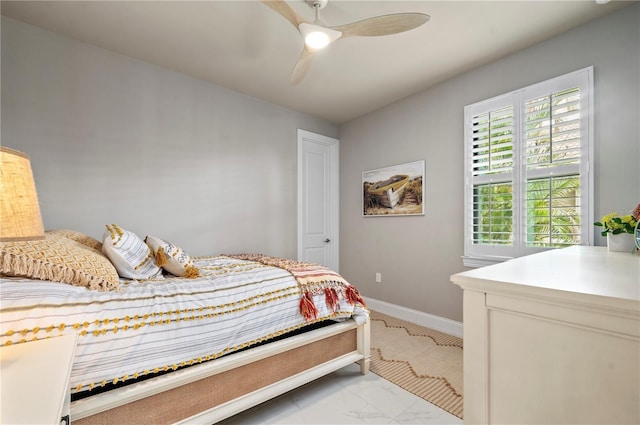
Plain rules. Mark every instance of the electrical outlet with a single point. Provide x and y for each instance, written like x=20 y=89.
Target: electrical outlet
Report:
x=378 y=277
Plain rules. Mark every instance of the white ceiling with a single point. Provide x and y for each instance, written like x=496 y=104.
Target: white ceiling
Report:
x=249 y=48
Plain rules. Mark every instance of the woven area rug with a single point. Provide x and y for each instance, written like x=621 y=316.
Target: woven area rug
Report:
x=423 y=361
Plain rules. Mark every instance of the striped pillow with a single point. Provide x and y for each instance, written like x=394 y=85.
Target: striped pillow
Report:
x=129 y=254
x=171 y=258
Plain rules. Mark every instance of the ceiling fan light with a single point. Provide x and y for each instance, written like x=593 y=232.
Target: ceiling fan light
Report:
x=317 y=37
x=316 y=40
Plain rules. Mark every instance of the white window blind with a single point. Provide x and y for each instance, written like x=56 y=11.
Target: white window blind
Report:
x=527 y=165
x=492 y=174
x=553 y=155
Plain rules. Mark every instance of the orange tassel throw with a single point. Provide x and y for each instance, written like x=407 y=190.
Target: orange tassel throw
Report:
x=312 y=279
x=353 y=296
x=307 y=307
x=161 y=258
x=331 y=297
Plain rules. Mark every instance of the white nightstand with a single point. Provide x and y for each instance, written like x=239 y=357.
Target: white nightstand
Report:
x=34 y=380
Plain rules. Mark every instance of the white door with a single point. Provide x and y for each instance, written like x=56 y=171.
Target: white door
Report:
x=318 y=199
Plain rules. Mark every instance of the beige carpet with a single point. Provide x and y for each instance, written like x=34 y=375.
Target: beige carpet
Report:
x=423 y=361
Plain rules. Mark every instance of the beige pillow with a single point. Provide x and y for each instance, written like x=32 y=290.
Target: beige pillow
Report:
x=78 y=237
x=172 y=258
x=131 y=257
x=58 y=259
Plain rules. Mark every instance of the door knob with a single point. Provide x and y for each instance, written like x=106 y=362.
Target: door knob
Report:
x=327 y=240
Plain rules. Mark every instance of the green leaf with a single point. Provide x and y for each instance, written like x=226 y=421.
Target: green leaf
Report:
x=617 y=231
x=603 y=233
x=597 y=223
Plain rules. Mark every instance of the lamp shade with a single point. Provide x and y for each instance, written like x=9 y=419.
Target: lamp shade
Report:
x=20 y=218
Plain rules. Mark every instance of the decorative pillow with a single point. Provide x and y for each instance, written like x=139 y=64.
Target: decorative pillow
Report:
x=58 y=259
x=78 y=237
x=172 y=258
x=129 y=254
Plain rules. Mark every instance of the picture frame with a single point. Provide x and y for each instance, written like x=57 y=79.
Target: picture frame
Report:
x=392 y=191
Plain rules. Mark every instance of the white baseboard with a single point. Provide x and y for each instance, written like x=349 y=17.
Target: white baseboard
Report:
x=427 y=320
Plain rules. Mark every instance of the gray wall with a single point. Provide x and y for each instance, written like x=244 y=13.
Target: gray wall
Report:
x=416 y=255
x=116 y=140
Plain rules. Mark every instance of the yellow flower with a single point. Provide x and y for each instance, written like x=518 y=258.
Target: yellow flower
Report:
x=613 y=223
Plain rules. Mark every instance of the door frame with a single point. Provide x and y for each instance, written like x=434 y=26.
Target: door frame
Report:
x=334 y=176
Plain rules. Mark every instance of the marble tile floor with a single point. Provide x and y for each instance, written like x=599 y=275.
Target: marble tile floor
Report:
x=345 y=397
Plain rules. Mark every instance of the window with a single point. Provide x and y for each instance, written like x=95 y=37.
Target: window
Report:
x=528 y=180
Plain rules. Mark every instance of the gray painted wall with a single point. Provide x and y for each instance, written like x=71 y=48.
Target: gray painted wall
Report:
x=116 y=140
x=416 y=255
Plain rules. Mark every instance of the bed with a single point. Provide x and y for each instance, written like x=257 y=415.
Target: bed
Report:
x=239 y=330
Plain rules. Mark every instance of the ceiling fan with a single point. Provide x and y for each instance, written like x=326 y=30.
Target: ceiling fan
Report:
x=317 y=35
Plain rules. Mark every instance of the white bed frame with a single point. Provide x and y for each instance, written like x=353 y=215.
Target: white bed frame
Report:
x=137 y=399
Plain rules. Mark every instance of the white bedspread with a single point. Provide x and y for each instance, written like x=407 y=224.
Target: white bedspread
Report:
x=160 y=324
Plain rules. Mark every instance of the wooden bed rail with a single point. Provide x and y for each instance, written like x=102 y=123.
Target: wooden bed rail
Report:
x=212 y=391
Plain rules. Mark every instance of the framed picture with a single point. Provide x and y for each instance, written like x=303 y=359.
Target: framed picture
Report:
x=394 y=191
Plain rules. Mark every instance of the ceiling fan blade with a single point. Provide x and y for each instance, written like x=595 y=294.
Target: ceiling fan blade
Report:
x=383 y=25
x=301 y=67
x=283 y=8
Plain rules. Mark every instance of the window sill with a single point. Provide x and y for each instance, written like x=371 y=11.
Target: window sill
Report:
x=475 y=262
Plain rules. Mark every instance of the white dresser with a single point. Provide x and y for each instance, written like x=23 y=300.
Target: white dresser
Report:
x=553 y=338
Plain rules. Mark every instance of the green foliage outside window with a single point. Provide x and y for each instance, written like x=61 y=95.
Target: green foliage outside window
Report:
x=493 y=214
x=552 y=218
x=553 y=212
x=552 y=137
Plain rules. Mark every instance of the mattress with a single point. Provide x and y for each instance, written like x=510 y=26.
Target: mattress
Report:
x=164 y=323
